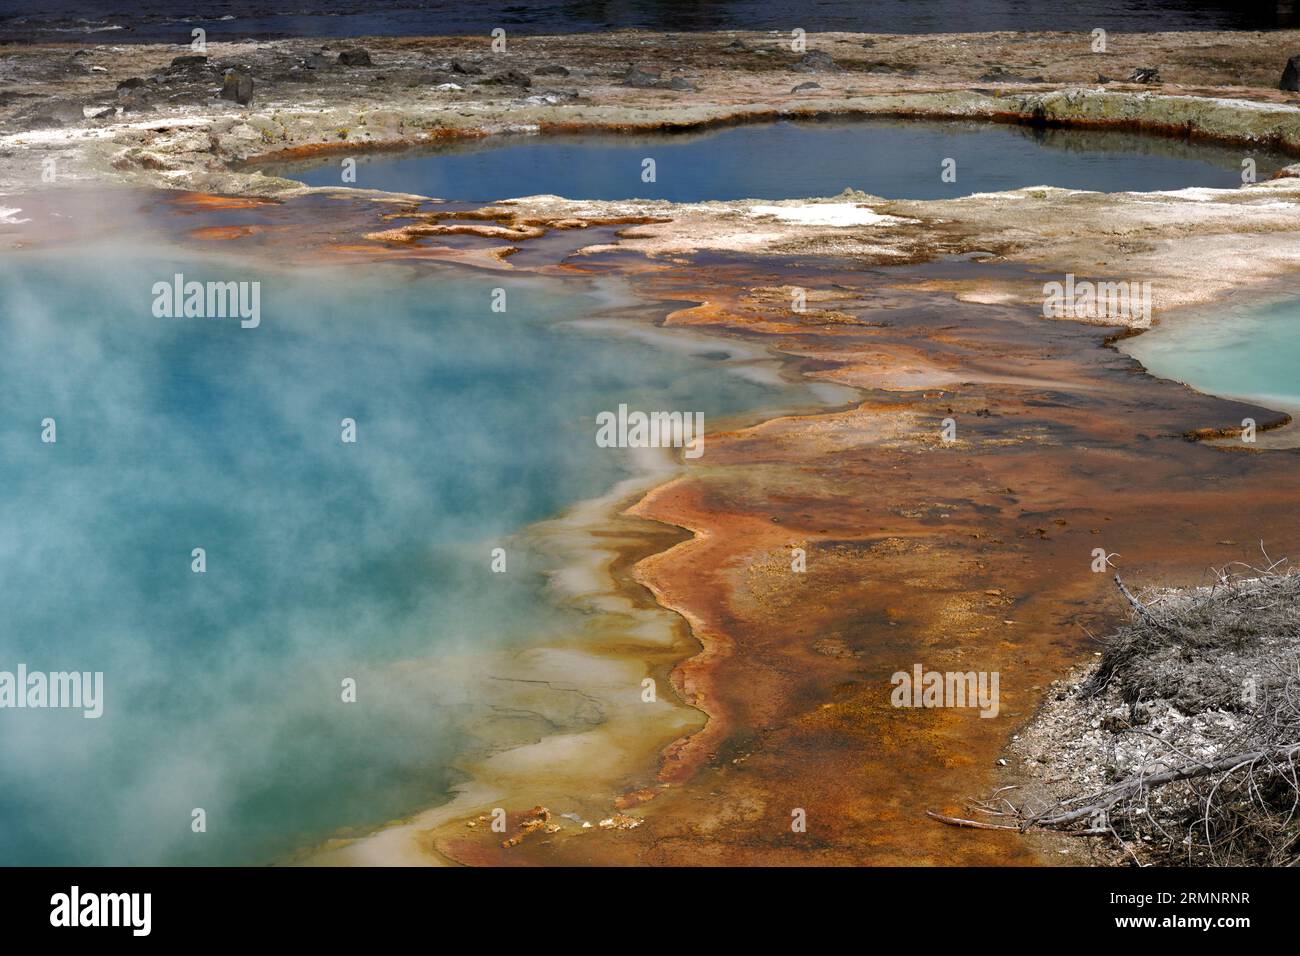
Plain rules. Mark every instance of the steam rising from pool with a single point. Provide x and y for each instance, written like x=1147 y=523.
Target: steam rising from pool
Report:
x=324 y=560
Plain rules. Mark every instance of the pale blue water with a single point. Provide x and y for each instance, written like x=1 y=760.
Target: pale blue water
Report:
x=792 y=160
x=1252 y=353
x=325 y=559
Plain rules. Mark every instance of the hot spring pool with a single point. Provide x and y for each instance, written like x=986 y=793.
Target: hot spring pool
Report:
x=323 y=559
x=790 y=160
x=1246 y=352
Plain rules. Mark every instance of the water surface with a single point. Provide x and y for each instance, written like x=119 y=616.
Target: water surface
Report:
x=792 y=160
x=325 y=559
x=1247 y=352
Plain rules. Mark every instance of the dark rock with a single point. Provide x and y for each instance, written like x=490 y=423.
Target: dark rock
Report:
x=104 y=113
x=651 y=79
x=355 y=56
x=553 y=70
x=465 y=69
x=883 y=69
x=1145 y=74
x=237 y=86
x=816 y=61
x=805 y=87
x=1103 y=78
x=736 y=46
x=641 y=79
x=134 y=94
x=134 y=98
x=1291 y=75
x=190 y=60
x=510 y=78
x=317 y=61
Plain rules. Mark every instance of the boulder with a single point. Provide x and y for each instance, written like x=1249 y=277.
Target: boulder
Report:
x=134 y=94
x=134 y=98
x=816 y=61
x=806 y=87
x=641 y=79
x=1144 y=74
x=355 y=56
x=465 y=69
x=189 y=61
x=552 y=70
x=238 y=87
x=1291 y=75
x=651 y=79
x=510 y=78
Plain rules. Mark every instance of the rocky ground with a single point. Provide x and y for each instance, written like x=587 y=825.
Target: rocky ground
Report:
x=1208 y=673
x=164 y=116
x=155 y=115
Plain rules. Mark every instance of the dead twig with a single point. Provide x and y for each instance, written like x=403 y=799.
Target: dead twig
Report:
x=1141 y=608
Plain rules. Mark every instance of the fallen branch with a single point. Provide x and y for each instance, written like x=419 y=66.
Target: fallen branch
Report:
x=977 y=825
x=1105 y=799
x=972 y=824
x=1141 y=608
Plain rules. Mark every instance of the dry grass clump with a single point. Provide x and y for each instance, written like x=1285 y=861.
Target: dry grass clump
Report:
x=1191 y=721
